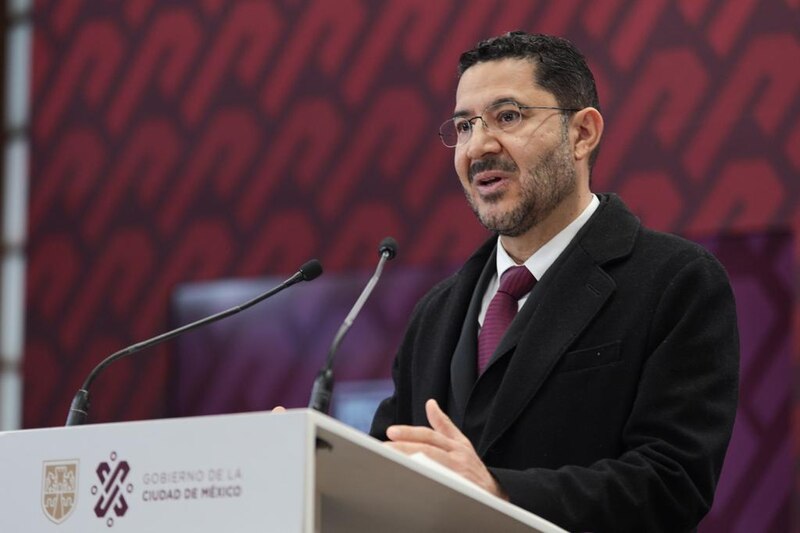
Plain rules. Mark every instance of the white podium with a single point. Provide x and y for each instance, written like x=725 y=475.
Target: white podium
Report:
x=298 y=471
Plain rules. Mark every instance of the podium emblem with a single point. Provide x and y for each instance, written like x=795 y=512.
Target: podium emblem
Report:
x=112 y=489
x=59 y=489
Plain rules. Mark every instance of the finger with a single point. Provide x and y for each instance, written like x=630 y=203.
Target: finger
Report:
x=441 y=423
x=419 y=434
x=279 y=409
x=431 y=452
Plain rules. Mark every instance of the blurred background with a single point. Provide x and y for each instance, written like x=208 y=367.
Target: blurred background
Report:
x=165 y=160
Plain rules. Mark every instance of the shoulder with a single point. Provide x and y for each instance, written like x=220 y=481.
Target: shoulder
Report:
x=671 y=254
x=617 y=236
x=663 y=244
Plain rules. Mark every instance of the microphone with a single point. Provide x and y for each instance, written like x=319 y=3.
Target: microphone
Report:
x=323 y=385
x=79 y=409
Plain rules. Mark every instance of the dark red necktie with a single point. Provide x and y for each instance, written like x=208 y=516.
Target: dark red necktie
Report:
x=515 y=283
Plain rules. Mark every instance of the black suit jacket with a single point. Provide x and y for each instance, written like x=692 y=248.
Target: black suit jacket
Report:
x=609 y=404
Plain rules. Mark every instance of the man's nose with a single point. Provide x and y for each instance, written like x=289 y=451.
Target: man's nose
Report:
x=482 y=141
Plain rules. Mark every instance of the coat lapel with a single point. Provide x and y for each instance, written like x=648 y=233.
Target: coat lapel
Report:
x=434 y=372
x=559 y=308
x=463 y=368
x=545 y=336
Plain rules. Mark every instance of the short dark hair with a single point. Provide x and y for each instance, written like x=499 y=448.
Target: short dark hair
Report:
x=560 y=67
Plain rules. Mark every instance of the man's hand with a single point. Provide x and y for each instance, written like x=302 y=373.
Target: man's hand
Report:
x=446 y=445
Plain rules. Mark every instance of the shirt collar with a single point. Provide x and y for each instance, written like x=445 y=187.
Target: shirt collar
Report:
x=545 y=256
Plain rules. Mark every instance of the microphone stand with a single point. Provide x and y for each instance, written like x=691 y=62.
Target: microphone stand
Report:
x=322 y=390
x=79 y=409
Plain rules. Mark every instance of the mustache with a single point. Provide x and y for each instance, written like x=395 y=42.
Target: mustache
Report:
x=491 y=163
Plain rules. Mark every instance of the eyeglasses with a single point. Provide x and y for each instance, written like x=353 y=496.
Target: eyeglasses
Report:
x=501 y=116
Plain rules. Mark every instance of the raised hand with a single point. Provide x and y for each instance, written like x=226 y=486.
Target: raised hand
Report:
x=444 y=443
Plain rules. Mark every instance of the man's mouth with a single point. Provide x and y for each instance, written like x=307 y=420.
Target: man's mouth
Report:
x=488 y=183
x=488 y=180
x=491 y=168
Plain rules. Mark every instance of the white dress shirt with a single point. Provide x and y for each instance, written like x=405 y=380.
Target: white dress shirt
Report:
x=540 y=261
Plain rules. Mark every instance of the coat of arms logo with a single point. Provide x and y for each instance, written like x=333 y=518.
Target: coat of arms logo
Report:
x=59 y=489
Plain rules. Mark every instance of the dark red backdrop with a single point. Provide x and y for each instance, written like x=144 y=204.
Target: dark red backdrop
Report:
x=178 y=140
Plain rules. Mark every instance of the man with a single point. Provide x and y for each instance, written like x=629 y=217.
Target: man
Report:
x=608 y=402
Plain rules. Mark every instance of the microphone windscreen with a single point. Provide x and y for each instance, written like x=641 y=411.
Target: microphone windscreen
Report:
x=311 y=270
x=388 y=246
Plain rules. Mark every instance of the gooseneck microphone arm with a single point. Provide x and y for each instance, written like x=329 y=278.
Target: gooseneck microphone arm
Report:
x=323 y=384
x=79 y=409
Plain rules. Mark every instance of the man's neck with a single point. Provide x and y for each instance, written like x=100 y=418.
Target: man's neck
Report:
x=521 y=247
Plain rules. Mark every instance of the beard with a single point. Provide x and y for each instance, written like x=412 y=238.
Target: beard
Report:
x=542 y=189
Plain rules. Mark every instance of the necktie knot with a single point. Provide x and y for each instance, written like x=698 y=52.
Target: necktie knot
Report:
x=517 y=282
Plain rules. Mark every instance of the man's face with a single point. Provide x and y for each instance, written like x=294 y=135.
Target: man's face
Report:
x=513 y=179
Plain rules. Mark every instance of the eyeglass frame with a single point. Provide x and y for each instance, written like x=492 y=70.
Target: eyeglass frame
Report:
x=519 y=106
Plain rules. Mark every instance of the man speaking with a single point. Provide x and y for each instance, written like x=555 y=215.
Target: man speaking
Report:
x=579 y=364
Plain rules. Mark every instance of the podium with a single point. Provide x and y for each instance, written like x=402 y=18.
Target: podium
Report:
x=298 y=471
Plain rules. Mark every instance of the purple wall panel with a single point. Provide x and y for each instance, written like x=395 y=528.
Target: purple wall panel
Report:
x=270 y=354
x=756 y=488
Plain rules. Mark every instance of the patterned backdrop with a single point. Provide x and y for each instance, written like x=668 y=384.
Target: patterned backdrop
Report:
x=177 y=141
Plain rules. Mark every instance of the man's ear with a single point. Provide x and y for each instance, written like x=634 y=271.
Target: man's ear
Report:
x=588 y=123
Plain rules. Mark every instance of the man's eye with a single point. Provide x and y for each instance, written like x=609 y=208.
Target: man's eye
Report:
x=508 y=116
x=463 y=126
